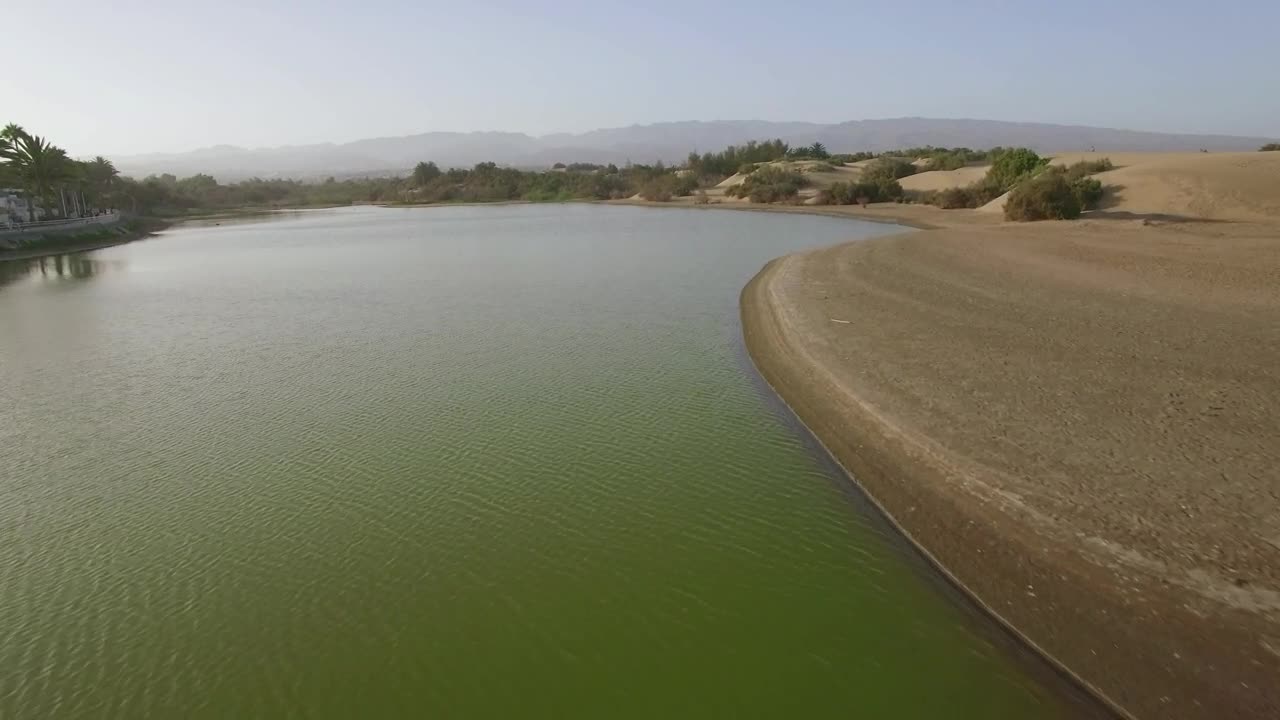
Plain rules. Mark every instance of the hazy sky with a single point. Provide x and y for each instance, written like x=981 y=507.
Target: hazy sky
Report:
x=127 y=76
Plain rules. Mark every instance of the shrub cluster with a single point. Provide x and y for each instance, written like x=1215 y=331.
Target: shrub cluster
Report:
x=1085 y=168
x=770 y=184
x=1009 y=167
x=974 y=195
x=890 y=167
x=851 y=193
x=1088 y=192
x=845 y=158
x=947 y=161
x=1270 y=147
x=1048 y=196
x=1016 y=168
x=734 y=157
x=664 y=187
x=1059 y=194
x=816 y=151
x=878 y=183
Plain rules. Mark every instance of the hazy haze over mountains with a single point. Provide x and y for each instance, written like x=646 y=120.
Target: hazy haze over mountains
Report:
x=669 y=142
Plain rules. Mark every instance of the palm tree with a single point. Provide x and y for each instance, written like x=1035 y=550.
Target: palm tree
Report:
x=8 y=170
x=39 y=164
x=102 y=178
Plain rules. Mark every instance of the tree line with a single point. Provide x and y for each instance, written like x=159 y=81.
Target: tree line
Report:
x=64 y=186
x=60 y=185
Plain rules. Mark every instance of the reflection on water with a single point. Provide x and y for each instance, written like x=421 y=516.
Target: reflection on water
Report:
x=55 y=268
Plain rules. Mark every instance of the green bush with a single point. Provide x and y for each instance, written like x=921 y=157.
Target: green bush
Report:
x=957 y=197
x=881 y=190
x=1010 y=167
x=770 y=184
x=662 y=187
x=948 y=161
x=892 y=168
x=1270 y=147
x=1085 y=168
x=723 y=163
x=844 y=193
x=772 y=193
x=816 y=151
x=838 y=193
x=986 y=190
x=1088 y=192
x=656 y=191
x=423 y=173
x=921 y=197
x=546 y=195
x=846 y=158
x=973 y=195
x=1048 y=196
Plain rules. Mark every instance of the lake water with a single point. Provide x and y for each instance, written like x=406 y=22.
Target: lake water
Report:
x=489 y=462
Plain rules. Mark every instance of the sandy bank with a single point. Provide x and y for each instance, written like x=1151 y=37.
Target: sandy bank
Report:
x=1077 y=420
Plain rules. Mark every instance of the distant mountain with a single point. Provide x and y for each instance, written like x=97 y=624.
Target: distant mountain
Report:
x=669 y=142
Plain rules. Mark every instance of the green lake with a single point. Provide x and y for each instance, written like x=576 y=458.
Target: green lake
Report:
x=467 y=462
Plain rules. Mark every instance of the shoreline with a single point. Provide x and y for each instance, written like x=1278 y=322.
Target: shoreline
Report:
x=1120 y=636
x=752 y=307
x=149 y=227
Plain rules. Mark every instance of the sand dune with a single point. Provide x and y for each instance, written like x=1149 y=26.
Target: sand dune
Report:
x=733 y=180
x=1242 y=187
x=943 y=179
x=1215 y=186
x=1121 y=159
x=840 y=174
x=813 y=170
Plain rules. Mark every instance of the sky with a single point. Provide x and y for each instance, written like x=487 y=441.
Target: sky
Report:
x=129 y=77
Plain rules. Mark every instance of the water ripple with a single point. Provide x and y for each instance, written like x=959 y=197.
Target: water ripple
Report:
x=488 y=462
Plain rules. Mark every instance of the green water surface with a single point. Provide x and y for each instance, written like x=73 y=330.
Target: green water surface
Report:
x=489 y=462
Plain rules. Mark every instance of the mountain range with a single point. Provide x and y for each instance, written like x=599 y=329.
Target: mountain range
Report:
x=669 y=142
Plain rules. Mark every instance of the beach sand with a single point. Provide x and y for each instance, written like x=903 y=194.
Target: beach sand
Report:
x=1079 y=421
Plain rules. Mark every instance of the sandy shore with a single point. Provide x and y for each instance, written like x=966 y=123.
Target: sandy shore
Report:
x=1078 y=421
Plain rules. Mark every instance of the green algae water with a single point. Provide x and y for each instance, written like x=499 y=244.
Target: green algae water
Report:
x=459 y=463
